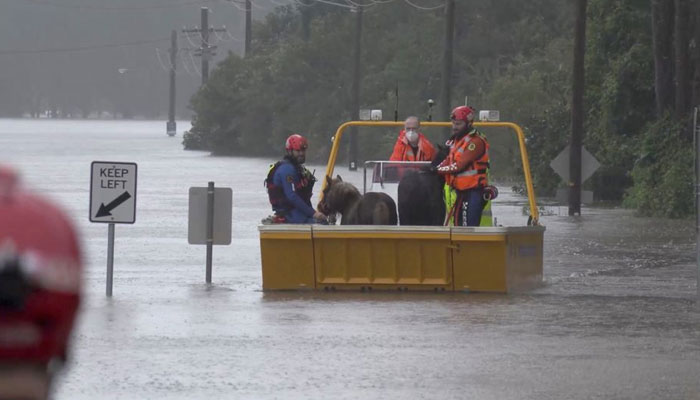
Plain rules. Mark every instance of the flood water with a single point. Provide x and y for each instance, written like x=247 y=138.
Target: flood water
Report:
x=616 y=317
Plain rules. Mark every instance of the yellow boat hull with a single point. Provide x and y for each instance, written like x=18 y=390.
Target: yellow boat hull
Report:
x=479 y=259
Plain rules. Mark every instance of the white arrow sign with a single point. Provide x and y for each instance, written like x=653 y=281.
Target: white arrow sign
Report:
x=113 y=192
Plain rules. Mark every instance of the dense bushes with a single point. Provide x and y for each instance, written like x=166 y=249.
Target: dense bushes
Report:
x=663 y=174
x=509 y=55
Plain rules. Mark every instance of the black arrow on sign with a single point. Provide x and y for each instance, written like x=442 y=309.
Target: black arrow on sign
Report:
x=105 y=209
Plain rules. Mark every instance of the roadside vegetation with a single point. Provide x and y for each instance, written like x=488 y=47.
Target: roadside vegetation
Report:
x=642 y=81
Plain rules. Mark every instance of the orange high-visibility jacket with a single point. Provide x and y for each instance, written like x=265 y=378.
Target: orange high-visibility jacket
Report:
x=467 y=164
x=404 y=152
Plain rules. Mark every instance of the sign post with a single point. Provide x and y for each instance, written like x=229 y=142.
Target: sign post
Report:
x=112 y=201
x=210 y=228
x=696 y=136
x=209 y=219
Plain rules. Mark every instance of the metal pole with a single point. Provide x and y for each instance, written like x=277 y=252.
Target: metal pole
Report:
x=445 y=92
x=110 y=258
x=248 y=27
x=205 y=44
x=171 y=127
x=305 y=19
x=356 y=88
x=577 y=112
x=696 y=133
x=364 y=179
x=210 y=227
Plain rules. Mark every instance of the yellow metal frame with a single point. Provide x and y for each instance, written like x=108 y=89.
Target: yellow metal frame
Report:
x=534 y=212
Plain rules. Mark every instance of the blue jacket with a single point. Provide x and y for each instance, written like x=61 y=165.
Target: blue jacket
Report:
x=287 y=177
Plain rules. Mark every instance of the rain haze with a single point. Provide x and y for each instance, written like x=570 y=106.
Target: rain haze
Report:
x=615 y=317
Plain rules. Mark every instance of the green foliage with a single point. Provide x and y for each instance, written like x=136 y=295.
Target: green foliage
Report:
x=619 y=91
x=662 y=175
x=290 y=86
x=531 y=92
x=509 y=55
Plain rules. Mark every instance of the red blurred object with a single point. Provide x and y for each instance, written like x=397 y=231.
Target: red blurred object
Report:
x=40 y=275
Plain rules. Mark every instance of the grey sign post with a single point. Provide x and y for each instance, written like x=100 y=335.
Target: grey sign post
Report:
x=696 y=132
x=112 y=201
x=209 y=219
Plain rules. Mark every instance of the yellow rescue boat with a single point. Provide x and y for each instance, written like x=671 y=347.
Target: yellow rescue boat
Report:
x=416 y=258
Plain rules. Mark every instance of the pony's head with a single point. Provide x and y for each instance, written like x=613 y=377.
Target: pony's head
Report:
x=440 y=154
x=336 y=195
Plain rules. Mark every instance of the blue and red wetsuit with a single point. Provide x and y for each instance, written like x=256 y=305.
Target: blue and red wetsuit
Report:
x=289 y=186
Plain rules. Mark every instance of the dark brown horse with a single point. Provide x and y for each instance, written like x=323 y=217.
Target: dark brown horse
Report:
x=420 y=194
x=373 y=208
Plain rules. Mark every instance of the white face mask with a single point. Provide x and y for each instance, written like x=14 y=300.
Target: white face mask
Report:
x=412 y=137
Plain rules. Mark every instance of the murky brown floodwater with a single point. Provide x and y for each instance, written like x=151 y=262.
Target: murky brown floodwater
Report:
x=615 y=319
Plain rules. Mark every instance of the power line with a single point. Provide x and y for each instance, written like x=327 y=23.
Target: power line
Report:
x=277 y=3
x=335 y=4
x=259 y=7
x=81 y=48
x=194 y=64
x=353 y=4
x=421 y=7
x=187 y=69
x=230 y=37
x=108 y=8
x=160 y=61
x=360 y=5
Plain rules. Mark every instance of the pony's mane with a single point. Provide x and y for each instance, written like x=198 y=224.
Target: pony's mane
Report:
x=339 y=192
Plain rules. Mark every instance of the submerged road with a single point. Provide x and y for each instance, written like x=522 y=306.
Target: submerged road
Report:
x=615 y=319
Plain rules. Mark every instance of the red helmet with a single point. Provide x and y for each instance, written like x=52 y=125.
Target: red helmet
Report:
x=296 y=142
x=40 y=275
x=463 y=113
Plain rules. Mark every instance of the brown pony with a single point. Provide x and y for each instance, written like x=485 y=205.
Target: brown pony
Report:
x=373 y=208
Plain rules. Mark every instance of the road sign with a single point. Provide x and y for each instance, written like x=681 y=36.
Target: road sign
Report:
x=197 y=216
x=113 y=192
x=560 y=164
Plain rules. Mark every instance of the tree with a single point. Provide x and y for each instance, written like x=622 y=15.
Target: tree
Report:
x=662 y=28
x=683 y=81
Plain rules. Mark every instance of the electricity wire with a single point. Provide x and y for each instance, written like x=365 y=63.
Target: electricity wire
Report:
x=81 y=48
x=421 y=7
x=108 y=8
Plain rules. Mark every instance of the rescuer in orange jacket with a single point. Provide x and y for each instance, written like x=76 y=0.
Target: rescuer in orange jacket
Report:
x=466 y=167
x=411 y=145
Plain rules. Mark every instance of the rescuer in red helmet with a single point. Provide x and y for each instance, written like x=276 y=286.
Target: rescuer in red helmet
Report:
x=40 y=281
x=290 y=185
x=466 y=168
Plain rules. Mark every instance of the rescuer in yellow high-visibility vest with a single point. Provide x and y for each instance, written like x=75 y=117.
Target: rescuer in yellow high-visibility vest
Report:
x=450 y=197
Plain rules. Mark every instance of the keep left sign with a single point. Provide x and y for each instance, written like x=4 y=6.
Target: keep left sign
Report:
x=113 y=192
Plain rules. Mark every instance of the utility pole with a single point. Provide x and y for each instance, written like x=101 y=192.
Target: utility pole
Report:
x=577 y=109
x=445 y=94
x=206 y=51
x=356 y=88
x=305 y=11
x=205 y=44
x=171 y=128
x=248 y=27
